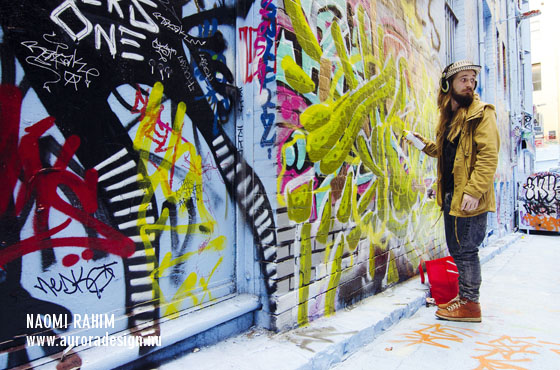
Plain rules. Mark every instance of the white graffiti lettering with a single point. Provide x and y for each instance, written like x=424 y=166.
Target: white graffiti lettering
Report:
x=149 y=24
x=138 y=18
x=164 y=22
x=204 y=66
x=543 y=188
x=71 y=6
x=165 y=52
x=53 y=58
x=187 y=73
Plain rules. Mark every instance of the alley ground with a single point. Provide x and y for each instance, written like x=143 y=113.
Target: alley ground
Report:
x=520 y=328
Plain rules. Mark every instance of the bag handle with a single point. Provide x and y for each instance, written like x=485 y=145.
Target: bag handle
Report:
x=421 y=272
x=421 y=269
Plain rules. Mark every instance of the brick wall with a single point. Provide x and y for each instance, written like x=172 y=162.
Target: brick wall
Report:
x=356 y=218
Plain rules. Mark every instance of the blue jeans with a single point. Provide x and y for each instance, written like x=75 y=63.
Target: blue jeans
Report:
x=464 y=235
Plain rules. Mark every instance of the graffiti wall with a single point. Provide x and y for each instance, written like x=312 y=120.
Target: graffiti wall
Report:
x=357 y=208
x=120 y=165
x=539 y=202
x=502 y=221
x=356 y=205
x=150 y=148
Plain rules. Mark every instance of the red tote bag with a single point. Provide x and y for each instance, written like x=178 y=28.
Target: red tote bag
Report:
x=443 y=278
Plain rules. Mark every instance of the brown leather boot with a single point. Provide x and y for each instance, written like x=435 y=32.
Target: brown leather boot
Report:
x=444 y=305
x=461 y=310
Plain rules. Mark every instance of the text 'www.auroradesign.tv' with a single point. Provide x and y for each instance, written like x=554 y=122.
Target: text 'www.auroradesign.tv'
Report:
x=92 y=321
x=93 y=340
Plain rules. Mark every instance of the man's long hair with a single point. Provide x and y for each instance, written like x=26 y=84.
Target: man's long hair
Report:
x=447 y=116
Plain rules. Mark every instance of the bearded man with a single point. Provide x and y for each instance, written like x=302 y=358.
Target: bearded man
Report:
x=467 y=145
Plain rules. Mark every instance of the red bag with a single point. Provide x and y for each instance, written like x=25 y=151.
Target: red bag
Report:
x=443 y=278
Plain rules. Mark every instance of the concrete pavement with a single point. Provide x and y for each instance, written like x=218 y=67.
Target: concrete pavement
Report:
x=520 y=329
x=518 y=286
x=520 y=299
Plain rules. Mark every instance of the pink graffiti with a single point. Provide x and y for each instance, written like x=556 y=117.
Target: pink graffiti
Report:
x=291 y=105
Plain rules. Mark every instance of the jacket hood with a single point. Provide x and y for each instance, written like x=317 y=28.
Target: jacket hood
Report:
x=477 y=108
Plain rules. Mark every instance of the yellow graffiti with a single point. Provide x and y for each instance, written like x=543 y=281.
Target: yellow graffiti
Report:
x=218 y=244
x=316 y=116
x=162 y=178
x=368 y=94
x=296 y=77
x=303 y=32
x=299 y=202
x=304 y=273
x=334 y=279
x=343 y=55
x=365 y=44
x=345 y=204
x=177 y=148
x=186 y=291
x=189 y=285
x=326 y=142
x=354 y=237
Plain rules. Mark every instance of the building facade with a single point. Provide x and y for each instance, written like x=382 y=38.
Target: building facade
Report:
x=546 y=82
x=546 y=79
x=190 y=169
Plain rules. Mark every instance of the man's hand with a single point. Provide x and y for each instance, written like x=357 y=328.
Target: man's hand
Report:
x=415 y=139
x=469 y=203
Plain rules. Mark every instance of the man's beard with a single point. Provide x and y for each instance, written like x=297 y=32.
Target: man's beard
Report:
x=464 y=100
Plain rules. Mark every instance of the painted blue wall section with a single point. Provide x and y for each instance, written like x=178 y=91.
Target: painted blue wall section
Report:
x=124 y=182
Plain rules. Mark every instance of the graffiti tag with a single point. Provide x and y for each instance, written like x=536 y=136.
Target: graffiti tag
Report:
x=63 y=65
x=541 y=201
x=165 y=52
x=96 y=280
x=543 y=188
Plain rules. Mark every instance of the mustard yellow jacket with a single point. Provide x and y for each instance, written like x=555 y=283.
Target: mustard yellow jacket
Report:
x=475 y=162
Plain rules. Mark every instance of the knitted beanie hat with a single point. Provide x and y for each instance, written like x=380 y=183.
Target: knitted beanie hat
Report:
x=461 y=65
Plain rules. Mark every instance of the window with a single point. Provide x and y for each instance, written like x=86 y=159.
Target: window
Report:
x=538 y=125
x=450 y=27
x=537 y=85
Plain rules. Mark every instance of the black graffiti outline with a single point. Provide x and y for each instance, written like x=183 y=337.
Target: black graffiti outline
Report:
x=534 y=208
x=75 y=282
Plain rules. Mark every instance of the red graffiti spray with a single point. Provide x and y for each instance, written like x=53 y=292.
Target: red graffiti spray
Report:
x=10 y=103
x=259 y=43
x=41 y=184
